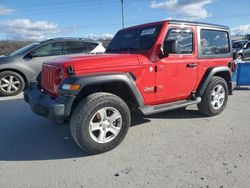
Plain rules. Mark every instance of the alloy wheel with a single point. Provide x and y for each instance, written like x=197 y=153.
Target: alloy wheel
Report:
x=218 y=96
x=9 y=84
x=105 y=125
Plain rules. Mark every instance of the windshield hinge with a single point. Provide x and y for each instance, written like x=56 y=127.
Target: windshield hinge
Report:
x=70 y=70
x=159 y=68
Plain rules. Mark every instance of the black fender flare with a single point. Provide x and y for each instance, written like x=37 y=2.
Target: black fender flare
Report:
x=87 y=80
x=209 y=75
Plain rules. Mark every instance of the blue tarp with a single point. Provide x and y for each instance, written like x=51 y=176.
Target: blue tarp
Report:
x=242 y=74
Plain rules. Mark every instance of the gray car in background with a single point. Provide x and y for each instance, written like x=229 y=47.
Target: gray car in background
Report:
x=241 y=50
x=23 y=66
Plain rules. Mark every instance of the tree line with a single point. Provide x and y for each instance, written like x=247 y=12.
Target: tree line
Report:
x=8 y=46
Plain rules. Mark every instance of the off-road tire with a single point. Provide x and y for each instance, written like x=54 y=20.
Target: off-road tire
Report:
x=85 y=110
x=205 y=107
x=18 y=77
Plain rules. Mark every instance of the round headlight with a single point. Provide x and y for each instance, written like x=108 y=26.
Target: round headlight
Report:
x=58 y=76
x=61 y=74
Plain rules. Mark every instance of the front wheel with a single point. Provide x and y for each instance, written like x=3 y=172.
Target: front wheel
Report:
x=11 y=83
x=100 y=122
x=214 y=100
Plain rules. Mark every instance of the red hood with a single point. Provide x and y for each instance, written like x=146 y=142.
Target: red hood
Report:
x=97 y=63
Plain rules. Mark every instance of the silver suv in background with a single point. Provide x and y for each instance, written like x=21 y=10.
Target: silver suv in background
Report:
x=23 y=66
x=241 y=50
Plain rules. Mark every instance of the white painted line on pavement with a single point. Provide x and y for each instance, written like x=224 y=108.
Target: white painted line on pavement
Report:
x=20 y=96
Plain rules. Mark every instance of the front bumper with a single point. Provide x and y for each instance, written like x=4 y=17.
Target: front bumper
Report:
x=57 y=109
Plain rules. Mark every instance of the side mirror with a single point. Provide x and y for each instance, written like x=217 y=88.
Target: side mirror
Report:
x=170 y=47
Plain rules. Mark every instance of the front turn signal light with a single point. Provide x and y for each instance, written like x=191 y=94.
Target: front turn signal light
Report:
x=75 y=87
x=69 y=87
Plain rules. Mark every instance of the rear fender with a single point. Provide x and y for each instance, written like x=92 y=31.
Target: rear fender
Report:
x=223 y=72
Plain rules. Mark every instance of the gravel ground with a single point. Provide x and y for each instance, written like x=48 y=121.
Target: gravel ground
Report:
x=171 y=149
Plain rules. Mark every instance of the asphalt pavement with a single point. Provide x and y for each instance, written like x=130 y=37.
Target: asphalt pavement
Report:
x=20 y=96
x=171 y=149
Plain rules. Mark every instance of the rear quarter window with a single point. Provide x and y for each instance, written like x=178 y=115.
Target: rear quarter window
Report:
x=239 y=44
x=92 y=46
x=76 y=47
x=214 y=43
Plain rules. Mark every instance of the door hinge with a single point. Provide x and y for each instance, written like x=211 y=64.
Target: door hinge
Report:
x=156 y=68
x=159 y=68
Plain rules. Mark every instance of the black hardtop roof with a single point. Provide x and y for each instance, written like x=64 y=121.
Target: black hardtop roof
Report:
x=197 y=24
x=180 y=22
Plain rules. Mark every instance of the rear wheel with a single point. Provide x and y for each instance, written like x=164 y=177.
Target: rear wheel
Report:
x=100 y=122
x=214 y=100
x=11 y=83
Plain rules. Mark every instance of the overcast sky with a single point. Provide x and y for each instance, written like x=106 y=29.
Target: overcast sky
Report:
x=40 y=19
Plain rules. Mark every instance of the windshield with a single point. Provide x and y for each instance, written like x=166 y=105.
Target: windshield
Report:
x=24 y=49
x=239 y=44
x=132 y=40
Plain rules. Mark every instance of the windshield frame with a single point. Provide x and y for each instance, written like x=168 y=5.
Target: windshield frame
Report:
x=131 y=49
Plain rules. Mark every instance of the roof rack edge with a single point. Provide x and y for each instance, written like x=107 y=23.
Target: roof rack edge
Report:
x=196 y=23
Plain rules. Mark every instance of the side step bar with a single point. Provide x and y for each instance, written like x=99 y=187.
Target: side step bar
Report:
x=147 y=110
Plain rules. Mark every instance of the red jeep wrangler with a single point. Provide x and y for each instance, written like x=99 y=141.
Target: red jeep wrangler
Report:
x=149 y=68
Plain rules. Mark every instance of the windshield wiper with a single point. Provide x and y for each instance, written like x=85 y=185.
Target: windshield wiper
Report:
x=128 y=49
x=111 y=50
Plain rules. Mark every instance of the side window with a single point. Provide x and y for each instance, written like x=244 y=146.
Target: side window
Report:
x=248 y=45
x=92 y=46
x=49 y=49
x=184 y=38
x=76 y=47
x=214 y=42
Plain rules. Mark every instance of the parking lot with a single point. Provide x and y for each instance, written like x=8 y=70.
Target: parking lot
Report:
x=171 y=149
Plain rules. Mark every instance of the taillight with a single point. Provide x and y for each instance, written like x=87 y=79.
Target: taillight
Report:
x=234 y=66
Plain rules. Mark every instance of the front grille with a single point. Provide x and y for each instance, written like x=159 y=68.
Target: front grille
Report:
x=48 y=76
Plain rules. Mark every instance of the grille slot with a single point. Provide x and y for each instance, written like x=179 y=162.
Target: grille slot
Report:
x=48 y=77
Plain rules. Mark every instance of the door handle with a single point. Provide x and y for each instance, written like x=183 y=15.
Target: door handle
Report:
x=190 y=65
